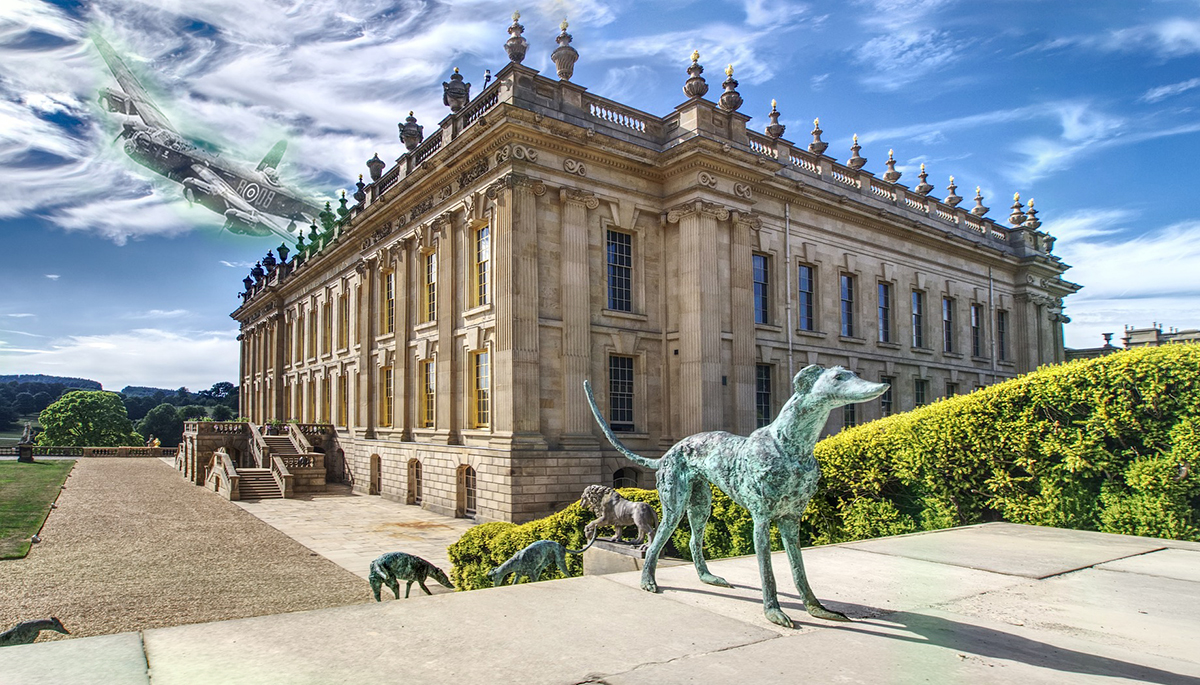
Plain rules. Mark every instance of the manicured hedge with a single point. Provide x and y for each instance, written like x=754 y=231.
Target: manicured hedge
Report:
x=1109 y=444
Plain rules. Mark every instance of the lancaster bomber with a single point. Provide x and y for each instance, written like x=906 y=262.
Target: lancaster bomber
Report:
x=252 y=200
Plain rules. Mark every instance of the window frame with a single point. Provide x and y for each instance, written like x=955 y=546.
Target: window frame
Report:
x=623 y=417
x=884 y=318
x=920 y=392
x=886 y=400
x=429 y=269
x=760 y=265
x=481 y=266
x=619 y=277
x=948 y=306
x=763 y=406
x=976 y=330
x=481 y=384
x=1002 y=335
x=917 y=305
x=427 y=404
x=806 y=319
x=846 y=290
x=386 y=396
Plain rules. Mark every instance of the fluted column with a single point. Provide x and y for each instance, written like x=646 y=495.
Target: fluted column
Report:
x=701 y=406
x=402 y=360
x=576 y=309
x=368 y=322
x=449 y=387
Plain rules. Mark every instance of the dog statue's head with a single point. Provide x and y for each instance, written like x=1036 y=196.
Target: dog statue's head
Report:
x=835 y=386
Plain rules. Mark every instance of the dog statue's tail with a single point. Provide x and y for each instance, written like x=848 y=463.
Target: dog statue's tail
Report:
x=632 y=456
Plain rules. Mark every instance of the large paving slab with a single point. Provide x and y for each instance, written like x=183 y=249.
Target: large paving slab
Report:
x=1028 y=551
x=859 y=584
x=549 y=632
x=1168 y=563
x=923 y=647
x=104 y=660
x=351 y=529
x=1133 y=611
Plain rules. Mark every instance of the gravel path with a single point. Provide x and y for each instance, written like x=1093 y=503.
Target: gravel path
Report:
x=133 y=546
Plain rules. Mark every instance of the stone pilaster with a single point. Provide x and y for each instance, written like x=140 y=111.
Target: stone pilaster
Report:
x=449 y=386
x=576 y=308
x=402 y=364
x=701 y=407
x=741 y=289
x=369 y=321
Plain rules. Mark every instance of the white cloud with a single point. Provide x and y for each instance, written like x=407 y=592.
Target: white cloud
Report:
x=898 y=58
x=158 y=314
x=1167 y=39
x=818 y=82
x=238 y=265
x=772 y=12
x=150 y=357
x=21 y=316
x=53 y=277
x=1162 y=92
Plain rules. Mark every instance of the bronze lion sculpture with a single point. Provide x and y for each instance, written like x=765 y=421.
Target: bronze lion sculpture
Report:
x=611 y=509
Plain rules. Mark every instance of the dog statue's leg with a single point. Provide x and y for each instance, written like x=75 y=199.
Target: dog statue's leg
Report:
x=762 y=547
x=789 y=530
x=673 y=493
x=407 y=588
x=422 y=584
x=699 y=507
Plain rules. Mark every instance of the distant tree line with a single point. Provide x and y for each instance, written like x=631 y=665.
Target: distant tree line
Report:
x=23 y=398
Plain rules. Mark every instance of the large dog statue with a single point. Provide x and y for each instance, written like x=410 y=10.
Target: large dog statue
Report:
x=611 y=509
x=772 y=473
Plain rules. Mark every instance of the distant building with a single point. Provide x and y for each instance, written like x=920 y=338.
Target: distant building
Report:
x=1137 y=337
x=541 y=235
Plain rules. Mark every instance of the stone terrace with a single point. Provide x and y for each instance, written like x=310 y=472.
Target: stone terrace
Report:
x=997 y=603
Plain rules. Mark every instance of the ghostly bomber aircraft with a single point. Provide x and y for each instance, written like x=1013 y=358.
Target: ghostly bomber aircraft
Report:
x=252 y=200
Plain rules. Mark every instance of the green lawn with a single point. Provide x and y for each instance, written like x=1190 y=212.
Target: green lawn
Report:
x=26 y=491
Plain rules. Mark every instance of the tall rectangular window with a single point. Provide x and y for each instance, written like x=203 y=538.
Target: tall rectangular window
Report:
x=849 y=415
x=429 y=288
x=343 y=416
x=762 y=293
x=1002 y=335
x=620 y=271
x=483 y=260
x=481 y=412
x=326 y=393
x=343 y=321
x=312 y=334
x=762 y=394
x=847 y=296
x=976 y=330
x=951 y=389
x=885 y=400
x=385 y=396
x=947 y=324
x=358 y=308
x=299 y=337
x=428 y=383
x=918 y=318
x=807 y=290
x=920 y=391
x=388 y=324
x=885 y=312
x=620 y=392
x=310 y=402
x=326 y=327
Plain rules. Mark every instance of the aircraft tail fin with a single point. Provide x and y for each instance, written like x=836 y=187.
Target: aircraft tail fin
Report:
x=272 y=159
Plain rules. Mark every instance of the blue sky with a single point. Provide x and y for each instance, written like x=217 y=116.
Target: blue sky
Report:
x=1091 y=108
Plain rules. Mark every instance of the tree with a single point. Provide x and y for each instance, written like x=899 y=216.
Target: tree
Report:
x=24 y=403
x=8 y=416
x=222 y=413
x=192 y=412
x=165 y=423
x=42 y=400
x=87 y=418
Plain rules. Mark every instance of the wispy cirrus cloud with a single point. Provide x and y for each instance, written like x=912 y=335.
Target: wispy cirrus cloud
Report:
x=1171 y=90
x=1167 y=39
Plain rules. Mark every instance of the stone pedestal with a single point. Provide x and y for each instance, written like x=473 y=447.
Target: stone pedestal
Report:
x=613 y=557
x=25 y=453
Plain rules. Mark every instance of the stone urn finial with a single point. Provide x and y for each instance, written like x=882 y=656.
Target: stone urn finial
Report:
x=730 y=99
x=283 y=253
x=1017 y=217
x=455 y=93
x=411 y=133
x=817 y=146
x=696 y=86
x=516 y=45
x=774 y=129
x=892 y=175
x=923 y=187
x=564 y=55
x=375 y=165
x=342 y=210
x=257 y=272
x=979 y=209
x=856 y=160
x=952 y=197
x=1031 y=220
x=269 y=262
x=360 y=195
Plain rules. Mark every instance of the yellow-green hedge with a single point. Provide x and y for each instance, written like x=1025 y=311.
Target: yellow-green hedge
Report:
x=1110 y=444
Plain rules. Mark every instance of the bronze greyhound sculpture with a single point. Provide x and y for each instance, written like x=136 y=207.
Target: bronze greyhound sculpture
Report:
x=772 y=473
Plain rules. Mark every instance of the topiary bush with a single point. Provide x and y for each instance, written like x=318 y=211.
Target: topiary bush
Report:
x=1109 y=444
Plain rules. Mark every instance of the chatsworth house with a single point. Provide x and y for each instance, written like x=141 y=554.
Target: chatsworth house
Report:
x=432 y=337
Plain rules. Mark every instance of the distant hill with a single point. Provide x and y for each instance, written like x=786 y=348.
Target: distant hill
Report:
x=81 y=383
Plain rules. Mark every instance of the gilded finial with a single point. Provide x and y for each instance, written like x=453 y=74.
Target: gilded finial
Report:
x=1017 y=197
x=456 y=70
x=817 y=122
x=856 y=139
x=729 y=70
x=978 y=189
x=563 y=25
x=360 y=177
x=773 y=103
x=1031 y=203
x=516 y=16
x=344 y=191
x=952 y=179
x=695 y=55
x=922 y=167
x=410 y=113
x=890 y=153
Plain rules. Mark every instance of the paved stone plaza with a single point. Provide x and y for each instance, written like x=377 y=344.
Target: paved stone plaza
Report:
x=997 y=603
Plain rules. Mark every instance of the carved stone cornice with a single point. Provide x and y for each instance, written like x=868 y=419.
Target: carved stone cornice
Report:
x=701 y=207
x=750 y=219
x=583 y=197
x=514 y=180
x=517 y=152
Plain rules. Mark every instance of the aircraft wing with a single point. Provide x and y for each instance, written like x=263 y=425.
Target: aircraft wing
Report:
x=146 y=109
x=236 y=207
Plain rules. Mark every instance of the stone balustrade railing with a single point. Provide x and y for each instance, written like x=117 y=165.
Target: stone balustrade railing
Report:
x=60 y=451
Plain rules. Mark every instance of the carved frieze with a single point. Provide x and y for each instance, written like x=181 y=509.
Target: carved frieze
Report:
x=574 y=166
x=711 y=209
x=512 y=181
x=706 y=179
x=743 y=191
x=583 y=197
x=420 y=208
x=472 y=172
x=520 y=153
x=379 y=234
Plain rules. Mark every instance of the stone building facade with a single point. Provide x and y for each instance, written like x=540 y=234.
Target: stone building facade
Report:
x=685 y=264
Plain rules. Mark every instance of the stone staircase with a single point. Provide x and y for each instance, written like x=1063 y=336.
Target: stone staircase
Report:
x=280 y=444
x=258 y=484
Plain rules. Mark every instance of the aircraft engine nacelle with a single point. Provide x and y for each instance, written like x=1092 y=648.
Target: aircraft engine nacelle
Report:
x=116 y=101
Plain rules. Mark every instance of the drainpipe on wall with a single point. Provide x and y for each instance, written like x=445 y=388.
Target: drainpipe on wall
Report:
x=992 y=321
